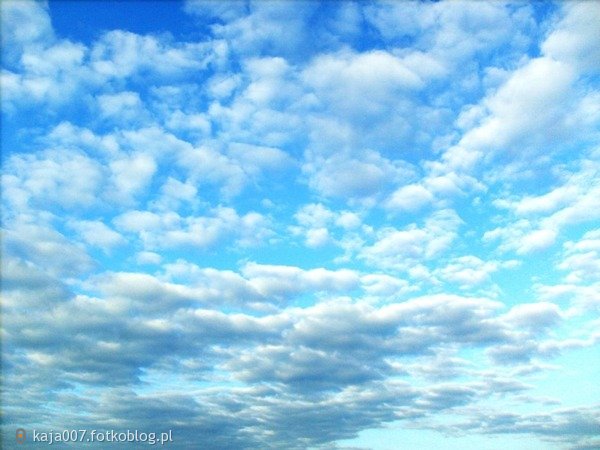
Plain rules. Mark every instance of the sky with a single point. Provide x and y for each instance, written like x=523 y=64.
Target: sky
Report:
x=302 y=225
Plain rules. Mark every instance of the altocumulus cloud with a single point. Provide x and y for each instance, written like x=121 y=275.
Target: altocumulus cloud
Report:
x=276 y=225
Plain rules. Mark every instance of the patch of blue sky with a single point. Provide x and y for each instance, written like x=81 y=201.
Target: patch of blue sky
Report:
x=580 y=366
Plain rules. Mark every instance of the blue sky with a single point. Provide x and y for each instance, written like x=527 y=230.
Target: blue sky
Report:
x=298 y=225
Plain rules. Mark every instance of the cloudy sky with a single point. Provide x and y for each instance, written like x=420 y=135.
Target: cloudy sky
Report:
x=302 y=225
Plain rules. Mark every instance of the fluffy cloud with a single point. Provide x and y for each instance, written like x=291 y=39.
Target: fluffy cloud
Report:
x=335 y=175
x=165 y=230
x=470 y=271
x=572 y=40
x=529 y=92
x=539 y=219
x=67 y=178
x=121 y=54
x=280 y=280
x=359 y=83
x=96 y=233
x=46 y=248
x=580 y=284
x=402 y=248
x=25 y=24
x=410 y=198
x=582 y=258
x=452 y=33
x=317 y=224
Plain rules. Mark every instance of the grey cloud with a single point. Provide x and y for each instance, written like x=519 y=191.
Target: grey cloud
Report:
x=300 y=376
x=447 y=396
x=304 y=369
x=295 y=378
x=49 y=250
x=560 y=425
x=28 y=283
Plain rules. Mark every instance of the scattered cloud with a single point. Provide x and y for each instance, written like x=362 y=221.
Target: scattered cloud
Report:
x=308 y=225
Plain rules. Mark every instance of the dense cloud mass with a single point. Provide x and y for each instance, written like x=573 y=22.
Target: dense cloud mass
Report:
x=297 y=225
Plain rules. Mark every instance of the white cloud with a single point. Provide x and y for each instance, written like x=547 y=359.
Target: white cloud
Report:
x=223 y=86
x=348 y=220
x=268 y=83
x=320 y=225
x=123 y=106
x=522 y=124
x=122 y=53
x=25 y=23
x=174 y=193
x=146 y=292
x=468 y=271
x=453 y=33
x=317 y=237
x=178 y=120
x=96 y=233
x=534 y=315
x=314 y=215
x=546 y=203
x=257 y=28
x=263 y=283
x=177 y=189
x=230 y=168
x=67 y=135
x=255 y=159
x=583 y=298
x=163 y=230
x=55 y=176
x=580 y=263
x=148 y=258
x=54 y=59
x=280 y=281
x=522 y=237
x=403 y=248
x=382 y=285
x=573 y=201
x=362 y=178
x=582 y=258
x=359 y=84
x=574 y=38
x=50 y=71
x=41 y=68
x=130 y=175
x=155 y=141
x=142 y=220
x=409 y=198
x=584 y=209
x=527 y=111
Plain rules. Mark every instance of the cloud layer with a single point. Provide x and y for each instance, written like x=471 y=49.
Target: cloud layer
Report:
x=275 y=225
